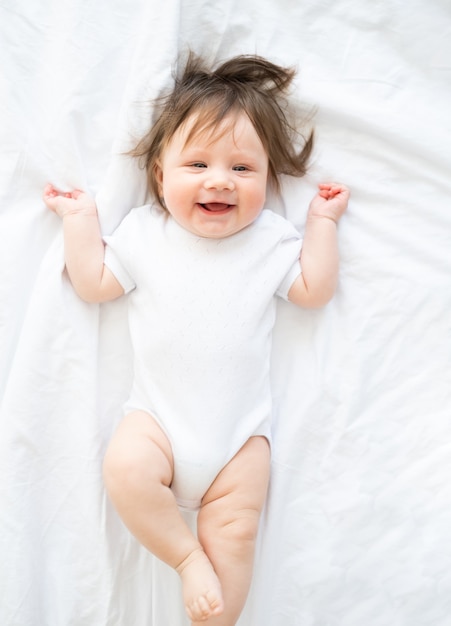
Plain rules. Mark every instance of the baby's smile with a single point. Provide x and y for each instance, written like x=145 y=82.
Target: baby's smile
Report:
x=216 y=207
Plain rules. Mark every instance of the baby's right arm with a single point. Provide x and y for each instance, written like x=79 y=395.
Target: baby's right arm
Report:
x=83 y=245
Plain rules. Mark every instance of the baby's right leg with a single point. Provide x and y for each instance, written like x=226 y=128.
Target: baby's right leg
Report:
x=138 y=469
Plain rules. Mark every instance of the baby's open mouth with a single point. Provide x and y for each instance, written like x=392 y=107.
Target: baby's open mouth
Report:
x=215 y=206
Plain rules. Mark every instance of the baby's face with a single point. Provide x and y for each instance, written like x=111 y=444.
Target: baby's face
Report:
x=214 y=185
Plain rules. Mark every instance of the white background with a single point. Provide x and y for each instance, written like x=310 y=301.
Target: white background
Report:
x=357 y=527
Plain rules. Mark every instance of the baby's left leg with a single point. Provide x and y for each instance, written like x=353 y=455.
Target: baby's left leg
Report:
x=228 y=523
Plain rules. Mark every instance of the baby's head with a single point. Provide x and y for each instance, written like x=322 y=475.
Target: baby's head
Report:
x=203 y=98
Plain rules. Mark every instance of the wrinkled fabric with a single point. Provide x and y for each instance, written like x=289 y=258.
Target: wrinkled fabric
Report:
x=356 y=528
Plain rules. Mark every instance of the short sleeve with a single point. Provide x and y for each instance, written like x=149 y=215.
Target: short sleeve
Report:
x=287 y=253
x=289 y=279
x=114 y=264
x=120 y=249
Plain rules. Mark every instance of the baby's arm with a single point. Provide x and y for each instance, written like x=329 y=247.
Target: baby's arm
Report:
x=316 y=285
x=83 y=245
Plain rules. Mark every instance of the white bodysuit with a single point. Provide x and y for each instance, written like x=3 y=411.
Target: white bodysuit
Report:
x=201 y=314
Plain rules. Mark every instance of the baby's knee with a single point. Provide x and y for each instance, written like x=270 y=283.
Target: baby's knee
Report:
x=238 y=527
x=244 y=526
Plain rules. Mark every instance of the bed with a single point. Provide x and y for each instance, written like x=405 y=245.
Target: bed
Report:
x=356 y=527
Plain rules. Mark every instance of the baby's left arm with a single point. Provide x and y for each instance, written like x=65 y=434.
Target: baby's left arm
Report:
x=316 y=285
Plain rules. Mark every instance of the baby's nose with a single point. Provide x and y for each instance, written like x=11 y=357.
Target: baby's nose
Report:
x=220 y=180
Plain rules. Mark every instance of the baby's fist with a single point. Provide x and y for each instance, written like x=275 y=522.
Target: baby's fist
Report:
x=331 y=201
x=68 y=203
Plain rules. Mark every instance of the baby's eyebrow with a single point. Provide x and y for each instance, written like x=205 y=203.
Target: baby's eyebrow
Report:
x=190 y=151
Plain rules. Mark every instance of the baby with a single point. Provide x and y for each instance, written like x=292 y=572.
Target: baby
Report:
x=202 y=266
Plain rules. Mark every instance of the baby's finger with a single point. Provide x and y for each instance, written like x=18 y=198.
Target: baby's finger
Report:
x=49 y=191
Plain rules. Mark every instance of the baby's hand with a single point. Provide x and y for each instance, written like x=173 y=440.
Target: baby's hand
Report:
x=330 y=201
x=69 y=203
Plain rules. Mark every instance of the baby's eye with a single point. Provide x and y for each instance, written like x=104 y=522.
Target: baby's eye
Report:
x=198 y=165
x=240 y=168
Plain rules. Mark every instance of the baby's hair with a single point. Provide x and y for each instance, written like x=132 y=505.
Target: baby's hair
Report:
x=244 y=84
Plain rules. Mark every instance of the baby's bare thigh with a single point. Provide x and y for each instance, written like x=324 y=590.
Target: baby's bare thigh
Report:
x=140 y=438
x=243 y=482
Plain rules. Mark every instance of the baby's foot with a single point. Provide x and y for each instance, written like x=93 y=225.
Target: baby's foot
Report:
x=201 y=587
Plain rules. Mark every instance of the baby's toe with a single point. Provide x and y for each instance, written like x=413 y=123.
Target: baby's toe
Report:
x=199 y=610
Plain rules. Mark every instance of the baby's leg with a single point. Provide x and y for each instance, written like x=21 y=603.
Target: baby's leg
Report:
x=228 y=523
x=138 y=469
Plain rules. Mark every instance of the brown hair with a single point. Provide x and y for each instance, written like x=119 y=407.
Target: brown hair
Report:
x=245 y=83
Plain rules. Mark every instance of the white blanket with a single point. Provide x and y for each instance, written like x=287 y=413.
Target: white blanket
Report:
x=357 y=526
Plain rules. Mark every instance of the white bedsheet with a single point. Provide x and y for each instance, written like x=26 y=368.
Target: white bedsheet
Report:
x=357 y=526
